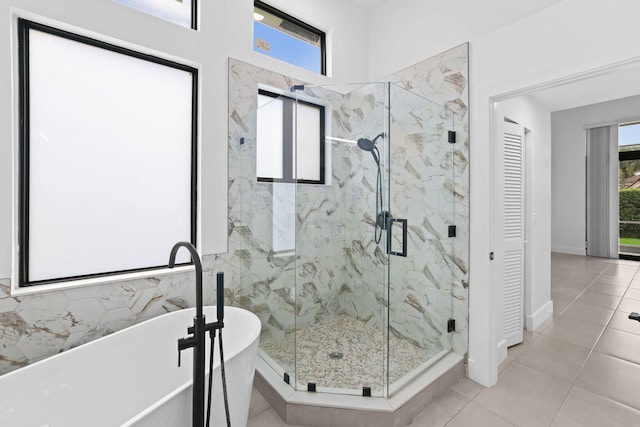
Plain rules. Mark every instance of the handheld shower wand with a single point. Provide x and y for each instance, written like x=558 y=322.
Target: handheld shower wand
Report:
x=381 y=215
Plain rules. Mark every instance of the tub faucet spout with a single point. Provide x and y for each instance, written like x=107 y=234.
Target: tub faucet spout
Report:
x=196 y=340
x=198 y=266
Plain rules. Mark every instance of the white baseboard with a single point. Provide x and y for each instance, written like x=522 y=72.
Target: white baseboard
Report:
x=539 y=317
x=501 y=351
x=569 y=250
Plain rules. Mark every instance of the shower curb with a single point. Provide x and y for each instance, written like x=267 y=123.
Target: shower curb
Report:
x=322 y=410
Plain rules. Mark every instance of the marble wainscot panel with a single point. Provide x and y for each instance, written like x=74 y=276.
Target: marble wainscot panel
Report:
x=33 y=327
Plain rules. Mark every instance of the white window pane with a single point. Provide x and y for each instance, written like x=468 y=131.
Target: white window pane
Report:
x=176 y=11
x=269 y=137
x=110 y=159
x=307 y=146
x=284 y=217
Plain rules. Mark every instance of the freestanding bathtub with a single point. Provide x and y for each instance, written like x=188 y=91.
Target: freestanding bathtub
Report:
x=132 y=378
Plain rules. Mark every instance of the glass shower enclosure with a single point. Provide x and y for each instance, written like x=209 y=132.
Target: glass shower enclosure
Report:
x=343 y=225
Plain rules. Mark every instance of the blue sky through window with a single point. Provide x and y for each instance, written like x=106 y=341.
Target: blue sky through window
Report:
x=629 y=135
x=287 y=48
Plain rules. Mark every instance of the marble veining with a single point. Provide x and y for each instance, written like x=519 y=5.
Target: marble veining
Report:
x=337 y=271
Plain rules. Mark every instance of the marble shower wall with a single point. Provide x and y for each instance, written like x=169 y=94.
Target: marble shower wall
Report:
x=338 y=267
x=444 y=80
x=343 y=271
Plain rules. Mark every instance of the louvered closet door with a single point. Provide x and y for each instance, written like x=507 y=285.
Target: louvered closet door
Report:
x=514 y=231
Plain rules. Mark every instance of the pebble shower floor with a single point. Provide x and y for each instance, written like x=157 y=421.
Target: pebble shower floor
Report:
x=363 y=361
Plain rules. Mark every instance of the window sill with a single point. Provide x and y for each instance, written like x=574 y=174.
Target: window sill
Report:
x=94 y=281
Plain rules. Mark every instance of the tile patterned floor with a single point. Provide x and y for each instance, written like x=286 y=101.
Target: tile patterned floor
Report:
x=363 y=361
x=580 y=369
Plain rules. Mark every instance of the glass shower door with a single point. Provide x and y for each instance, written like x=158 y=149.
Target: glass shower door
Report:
x=421 y=207
x=340 y=269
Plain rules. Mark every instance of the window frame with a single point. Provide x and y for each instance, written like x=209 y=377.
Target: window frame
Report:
x=23 y=174
x=286 y=17
x=289 y=129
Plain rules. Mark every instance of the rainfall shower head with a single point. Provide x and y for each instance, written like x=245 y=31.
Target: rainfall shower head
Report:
x=369 y=145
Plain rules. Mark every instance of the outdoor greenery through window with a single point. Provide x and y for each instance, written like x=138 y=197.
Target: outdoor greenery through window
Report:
x=629 y=189
x=288 y=39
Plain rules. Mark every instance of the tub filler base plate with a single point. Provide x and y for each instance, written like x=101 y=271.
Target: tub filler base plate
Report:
x=337 y=410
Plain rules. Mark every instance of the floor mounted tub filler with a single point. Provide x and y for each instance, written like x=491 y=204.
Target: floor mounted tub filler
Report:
x=132 y=378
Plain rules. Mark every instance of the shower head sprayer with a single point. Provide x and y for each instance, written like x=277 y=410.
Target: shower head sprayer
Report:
x=368 y=145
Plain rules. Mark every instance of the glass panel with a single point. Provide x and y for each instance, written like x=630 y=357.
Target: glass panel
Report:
x=261 y=216
x=270 y=137
x=176 y=11
x=306 y=149
x=420 y=190
x=340 y=270
x=629 y=184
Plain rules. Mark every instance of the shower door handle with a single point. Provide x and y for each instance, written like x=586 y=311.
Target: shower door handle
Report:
x=402 y=221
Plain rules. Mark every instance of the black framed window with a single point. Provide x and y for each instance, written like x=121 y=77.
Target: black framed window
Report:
x=288 y=39
x=290 y=143
x=108 y=156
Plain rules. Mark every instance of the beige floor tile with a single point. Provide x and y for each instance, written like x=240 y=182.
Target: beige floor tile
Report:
x=628 y=305
x=588 y=313
x=621 y=321
x=621 y=270
x=525 y=396
x=573 y=282
x=599 y=299
x=556 y=358
x=633 y=293
x=608 y=289
x=503 y=365
x=441 y=411
x=612 y=280
x=258 y=403
x=267 y=419
x=477 y=416
x=560 y=305
x=621 y=344
x=585 y=409
x=635 y=283
x=574 y=331
x=565 y=292
x=613 y=378
x=468 y=388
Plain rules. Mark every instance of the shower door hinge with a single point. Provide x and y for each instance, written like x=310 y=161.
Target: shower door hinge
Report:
x=366 y=391
x=452 y=231
x=287 y=379
x=452 y=136
x=311 y=387
x=451 y=325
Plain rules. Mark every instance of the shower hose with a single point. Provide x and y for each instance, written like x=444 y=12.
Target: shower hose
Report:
x=212 y=335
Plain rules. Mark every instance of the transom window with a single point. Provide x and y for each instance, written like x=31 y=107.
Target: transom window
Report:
x=288 y=39
x=181 y=12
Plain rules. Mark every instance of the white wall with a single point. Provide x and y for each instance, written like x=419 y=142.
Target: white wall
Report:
x=568 y=38
x=568 y=166
x=405 y=32
x=537 y=121
x=226 y=30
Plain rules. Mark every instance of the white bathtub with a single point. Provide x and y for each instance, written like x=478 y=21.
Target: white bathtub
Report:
x=132 y=378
